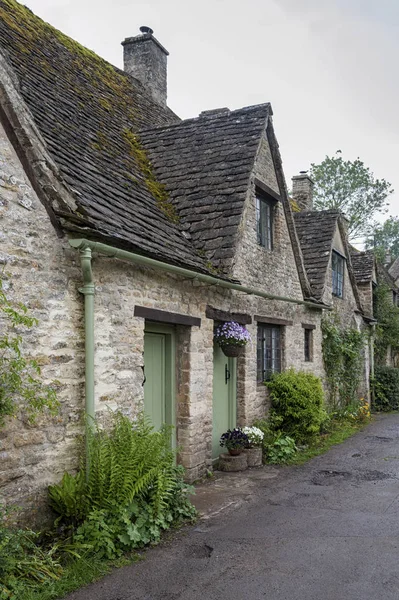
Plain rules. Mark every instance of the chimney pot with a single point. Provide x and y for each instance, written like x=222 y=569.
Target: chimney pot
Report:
x=302 y=190
x=145 y=29
x=146 y=59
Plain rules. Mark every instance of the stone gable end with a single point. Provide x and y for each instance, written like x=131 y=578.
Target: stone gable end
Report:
x=269 y=270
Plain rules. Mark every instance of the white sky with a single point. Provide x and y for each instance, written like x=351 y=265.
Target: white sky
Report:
x=330 y=68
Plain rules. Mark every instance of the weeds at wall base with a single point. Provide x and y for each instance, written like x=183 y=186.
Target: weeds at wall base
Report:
x=341 y=432
x=78 y=574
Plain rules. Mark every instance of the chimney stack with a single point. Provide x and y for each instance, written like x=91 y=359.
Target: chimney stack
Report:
x=146 y=59
x=302 y=190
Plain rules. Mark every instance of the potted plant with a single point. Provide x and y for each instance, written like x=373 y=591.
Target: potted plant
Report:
x=254 y=447
x=232 y=338
x=234 y=440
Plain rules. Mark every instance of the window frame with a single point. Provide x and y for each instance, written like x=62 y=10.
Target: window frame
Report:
x=274 y=335
x=264 y=212
x=338 y=276
x=308 y=344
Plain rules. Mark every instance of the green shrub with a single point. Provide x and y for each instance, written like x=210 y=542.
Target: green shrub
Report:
x=281 y=450
x=128 y=492
x=386 y=388
x=298 y=401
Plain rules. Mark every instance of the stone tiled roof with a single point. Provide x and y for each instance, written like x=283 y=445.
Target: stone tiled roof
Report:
x=87 y=112
x=205 y=165
x=363 y=265
x=315 y=231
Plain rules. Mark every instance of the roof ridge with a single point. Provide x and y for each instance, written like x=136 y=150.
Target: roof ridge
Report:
x=213 y=117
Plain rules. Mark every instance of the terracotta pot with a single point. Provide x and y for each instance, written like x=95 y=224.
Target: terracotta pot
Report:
x=234 y=451
x=231 y=351
x=254 y=456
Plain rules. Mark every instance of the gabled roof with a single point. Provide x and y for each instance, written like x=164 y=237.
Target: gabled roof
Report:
x=205 y=165
x=315 y=231
x=394 y=269
x=363 y=265
x=87 y=111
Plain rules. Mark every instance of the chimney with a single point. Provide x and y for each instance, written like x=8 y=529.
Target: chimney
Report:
x=302 y=191
x=146 y=59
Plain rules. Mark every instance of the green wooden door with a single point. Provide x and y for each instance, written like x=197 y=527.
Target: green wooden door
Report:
x=159 y=370
x=224 y=396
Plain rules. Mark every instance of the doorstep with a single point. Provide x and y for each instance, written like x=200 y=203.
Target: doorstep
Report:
x=226 y=491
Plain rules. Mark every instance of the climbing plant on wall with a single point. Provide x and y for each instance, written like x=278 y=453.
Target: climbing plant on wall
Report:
x=387 y=329
x=342 y=357
x=21 y=386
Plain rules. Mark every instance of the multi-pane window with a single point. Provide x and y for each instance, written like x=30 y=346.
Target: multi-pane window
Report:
x=338 y=266
x=308 y=345
x=264 y=222
x=268 y=351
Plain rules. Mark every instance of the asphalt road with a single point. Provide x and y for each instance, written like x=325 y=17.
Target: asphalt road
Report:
x=328 y=530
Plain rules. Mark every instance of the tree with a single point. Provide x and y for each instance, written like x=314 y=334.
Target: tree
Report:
x=351 y=188
x=385 y=239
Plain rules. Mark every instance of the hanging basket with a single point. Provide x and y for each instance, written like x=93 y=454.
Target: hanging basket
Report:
x=231 y=351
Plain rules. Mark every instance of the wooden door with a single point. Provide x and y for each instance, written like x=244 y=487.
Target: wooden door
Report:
x=159 y=371
x=224 y=397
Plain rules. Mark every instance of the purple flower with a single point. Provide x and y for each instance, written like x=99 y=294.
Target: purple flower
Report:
x=232 y=333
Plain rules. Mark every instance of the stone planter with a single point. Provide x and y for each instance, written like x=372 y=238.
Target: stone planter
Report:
x=235 y=451
x=254 y=456
x=233 y=463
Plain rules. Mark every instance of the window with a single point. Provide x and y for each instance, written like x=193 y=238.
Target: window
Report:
x=308 y=345
x=268 y=351
x=264 y=222
x=338 y=265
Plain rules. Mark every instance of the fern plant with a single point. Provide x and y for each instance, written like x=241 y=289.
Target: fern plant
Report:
x=130 y=462
x=127 y=491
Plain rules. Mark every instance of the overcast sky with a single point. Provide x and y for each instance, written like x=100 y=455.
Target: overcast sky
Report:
x=330 y=68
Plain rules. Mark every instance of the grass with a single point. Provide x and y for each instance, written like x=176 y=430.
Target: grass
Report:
x=341 y=432
x=78 y=573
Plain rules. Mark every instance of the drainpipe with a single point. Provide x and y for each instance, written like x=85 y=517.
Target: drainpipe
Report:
x=83 y=244
x=371 y=342
x=88 y=291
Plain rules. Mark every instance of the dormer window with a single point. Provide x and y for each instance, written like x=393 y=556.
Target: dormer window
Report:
x=338 y=266
x=264 y=221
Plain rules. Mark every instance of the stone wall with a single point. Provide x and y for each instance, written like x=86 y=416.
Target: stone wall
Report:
x=45 y=275
x=42 y=272
x=347 y=309
x=272 y=271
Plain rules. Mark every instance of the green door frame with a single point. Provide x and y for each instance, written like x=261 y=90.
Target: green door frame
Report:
x=170 y=371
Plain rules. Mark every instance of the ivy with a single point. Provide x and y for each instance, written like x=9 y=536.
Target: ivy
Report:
x=20 y=377
x=387 y=329
x=342 y=356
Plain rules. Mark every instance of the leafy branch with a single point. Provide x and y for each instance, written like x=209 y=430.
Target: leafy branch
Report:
x=21 y=384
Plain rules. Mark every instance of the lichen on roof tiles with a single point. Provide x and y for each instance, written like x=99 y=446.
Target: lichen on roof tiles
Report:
x=205 y=164
x=83 y=106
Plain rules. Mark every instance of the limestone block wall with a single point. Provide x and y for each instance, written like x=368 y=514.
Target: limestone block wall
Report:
x=270 y=270
x=347 y=310
x=43 y=272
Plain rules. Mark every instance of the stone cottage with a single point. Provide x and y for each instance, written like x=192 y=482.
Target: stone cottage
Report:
x=130 y=234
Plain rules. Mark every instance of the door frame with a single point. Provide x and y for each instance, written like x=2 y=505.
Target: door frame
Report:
x=170 y=372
